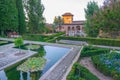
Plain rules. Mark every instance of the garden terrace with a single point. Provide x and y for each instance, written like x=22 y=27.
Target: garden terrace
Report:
x=63 y=63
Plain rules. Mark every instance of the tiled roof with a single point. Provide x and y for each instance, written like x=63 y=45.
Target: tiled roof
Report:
x=67 y=14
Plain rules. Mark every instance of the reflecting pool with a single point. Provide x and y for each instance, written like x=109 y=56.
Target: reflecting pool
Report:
x=52 y=54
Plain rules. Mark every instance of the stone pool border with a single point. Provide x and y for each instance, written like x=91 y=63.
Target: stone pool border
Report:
x=72 y=53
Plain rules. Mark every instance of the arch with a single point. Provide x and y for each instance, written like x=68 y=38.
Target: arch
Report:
x=78 y=27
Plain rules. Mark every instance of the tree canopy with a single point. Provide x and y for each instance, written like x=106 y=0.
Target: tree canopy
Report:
x=8 y=16
x=36 y=21
x=107 y=19
x=92 y=8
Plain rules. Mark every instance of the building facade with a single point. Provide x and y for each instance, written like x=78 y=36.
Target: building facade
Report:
x=70 y=27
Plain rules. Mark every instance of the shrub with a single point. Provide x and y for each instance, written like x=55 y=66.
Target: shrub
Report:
x=43 y=38
x=91 y=51
x=79 y=72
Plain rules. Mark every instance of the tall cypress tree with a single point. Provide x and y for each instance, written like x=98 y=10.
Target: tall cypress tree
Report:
x=21 y=17
x=8 y=16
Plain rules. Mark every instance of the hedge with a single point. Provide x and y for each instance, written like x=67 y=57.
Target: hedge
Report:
x=88 y=51
x=43 y=38
x=108 y=64
x=79 y=72
x=95 y=41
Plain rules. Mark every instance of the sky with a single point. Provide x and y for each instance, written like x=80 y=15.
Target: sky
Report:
x=58 y=7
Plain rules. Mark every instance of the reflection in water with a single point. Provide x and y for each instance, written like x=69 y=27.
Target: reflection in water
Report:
x=30 y=76
x=52 y=54
x=3 y=75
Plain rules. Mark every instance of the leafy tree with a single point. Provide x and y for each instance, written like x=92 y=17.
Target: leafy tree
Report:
x=92 y=7
x=18 y=43
x=21 y=17
x=8 y=16
x=35 y=10
x=58 y=21
x=106 y=20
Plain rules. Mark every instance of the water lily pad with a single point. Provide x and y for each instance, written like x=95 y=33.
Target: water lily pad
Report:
x=32 y=64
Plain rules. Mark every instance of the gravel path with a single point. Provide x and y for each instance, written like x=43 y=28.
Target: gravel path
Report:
x=86 y=62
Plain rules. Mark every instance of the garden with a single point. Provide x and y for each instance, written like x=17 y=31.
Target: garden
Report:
x=106 y=61
x=79 y=72
x=109 y=64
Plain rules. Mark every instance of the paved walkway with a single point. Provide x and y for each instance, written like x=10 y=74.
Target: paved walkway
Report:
x=73 y=42
x=8 y=55
x=86 y=62
x=59 y=69
x=84 y=43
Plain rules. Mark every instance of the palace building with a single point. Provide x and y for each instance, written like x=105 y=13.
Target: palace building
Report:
x=70 y=27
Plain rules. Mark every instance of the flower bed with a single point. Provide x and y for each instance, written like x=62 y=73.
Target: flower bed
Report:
x=32 y=65
x=109 y=64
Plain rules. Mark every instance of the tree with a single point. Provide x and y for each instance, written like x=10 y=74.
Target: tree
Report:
x=106 y=20
x=21 y=17
x=18 y=43
x=36 y=21
x=58 y=21
x=8 y=16
x=92 y=7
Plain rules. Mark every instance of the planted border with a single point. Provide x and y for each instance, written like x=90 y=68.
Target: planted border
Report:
x=108 y=64
x=79 y=72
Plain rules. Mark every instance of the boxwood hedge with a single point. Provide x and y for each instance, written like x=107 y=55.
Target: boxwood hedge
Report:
x=79 y=72
x=88 y=51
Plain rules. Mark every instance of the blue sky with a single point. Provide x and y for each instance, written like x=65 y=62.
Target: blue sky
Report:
x=58 y=7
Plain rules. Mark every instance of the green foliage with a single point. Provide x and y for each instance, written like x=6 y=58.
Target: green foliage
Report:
x=106 y=19
x=8 y=16
x=36 y=21
x=92 y=7
x=79 y=72
x=58 y=21
x=21 y=17
x=18 y=42
x=109 y=64
x=32 y=64
x=43 y=38
x=95 y=41
x=92 y=51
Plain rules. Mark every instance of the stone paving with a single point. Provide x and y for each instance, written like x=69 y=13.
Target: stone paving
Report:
x=9 y=57
x=84 y=43
x=73 y=42
x=59 y=69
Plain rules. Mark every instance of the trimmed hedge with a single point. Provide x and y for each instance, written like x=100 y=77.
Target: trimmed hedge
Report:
x=79 y=72
x=95 y=41
x=88 y=51
x=108 y=64
x=43 y=38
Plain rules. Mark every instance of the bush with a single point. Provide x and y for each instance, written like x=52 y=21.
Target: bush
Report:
x=109 y=64
x=79 y=72
x=91 y=51
x=43 y=38
x=95 y=41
